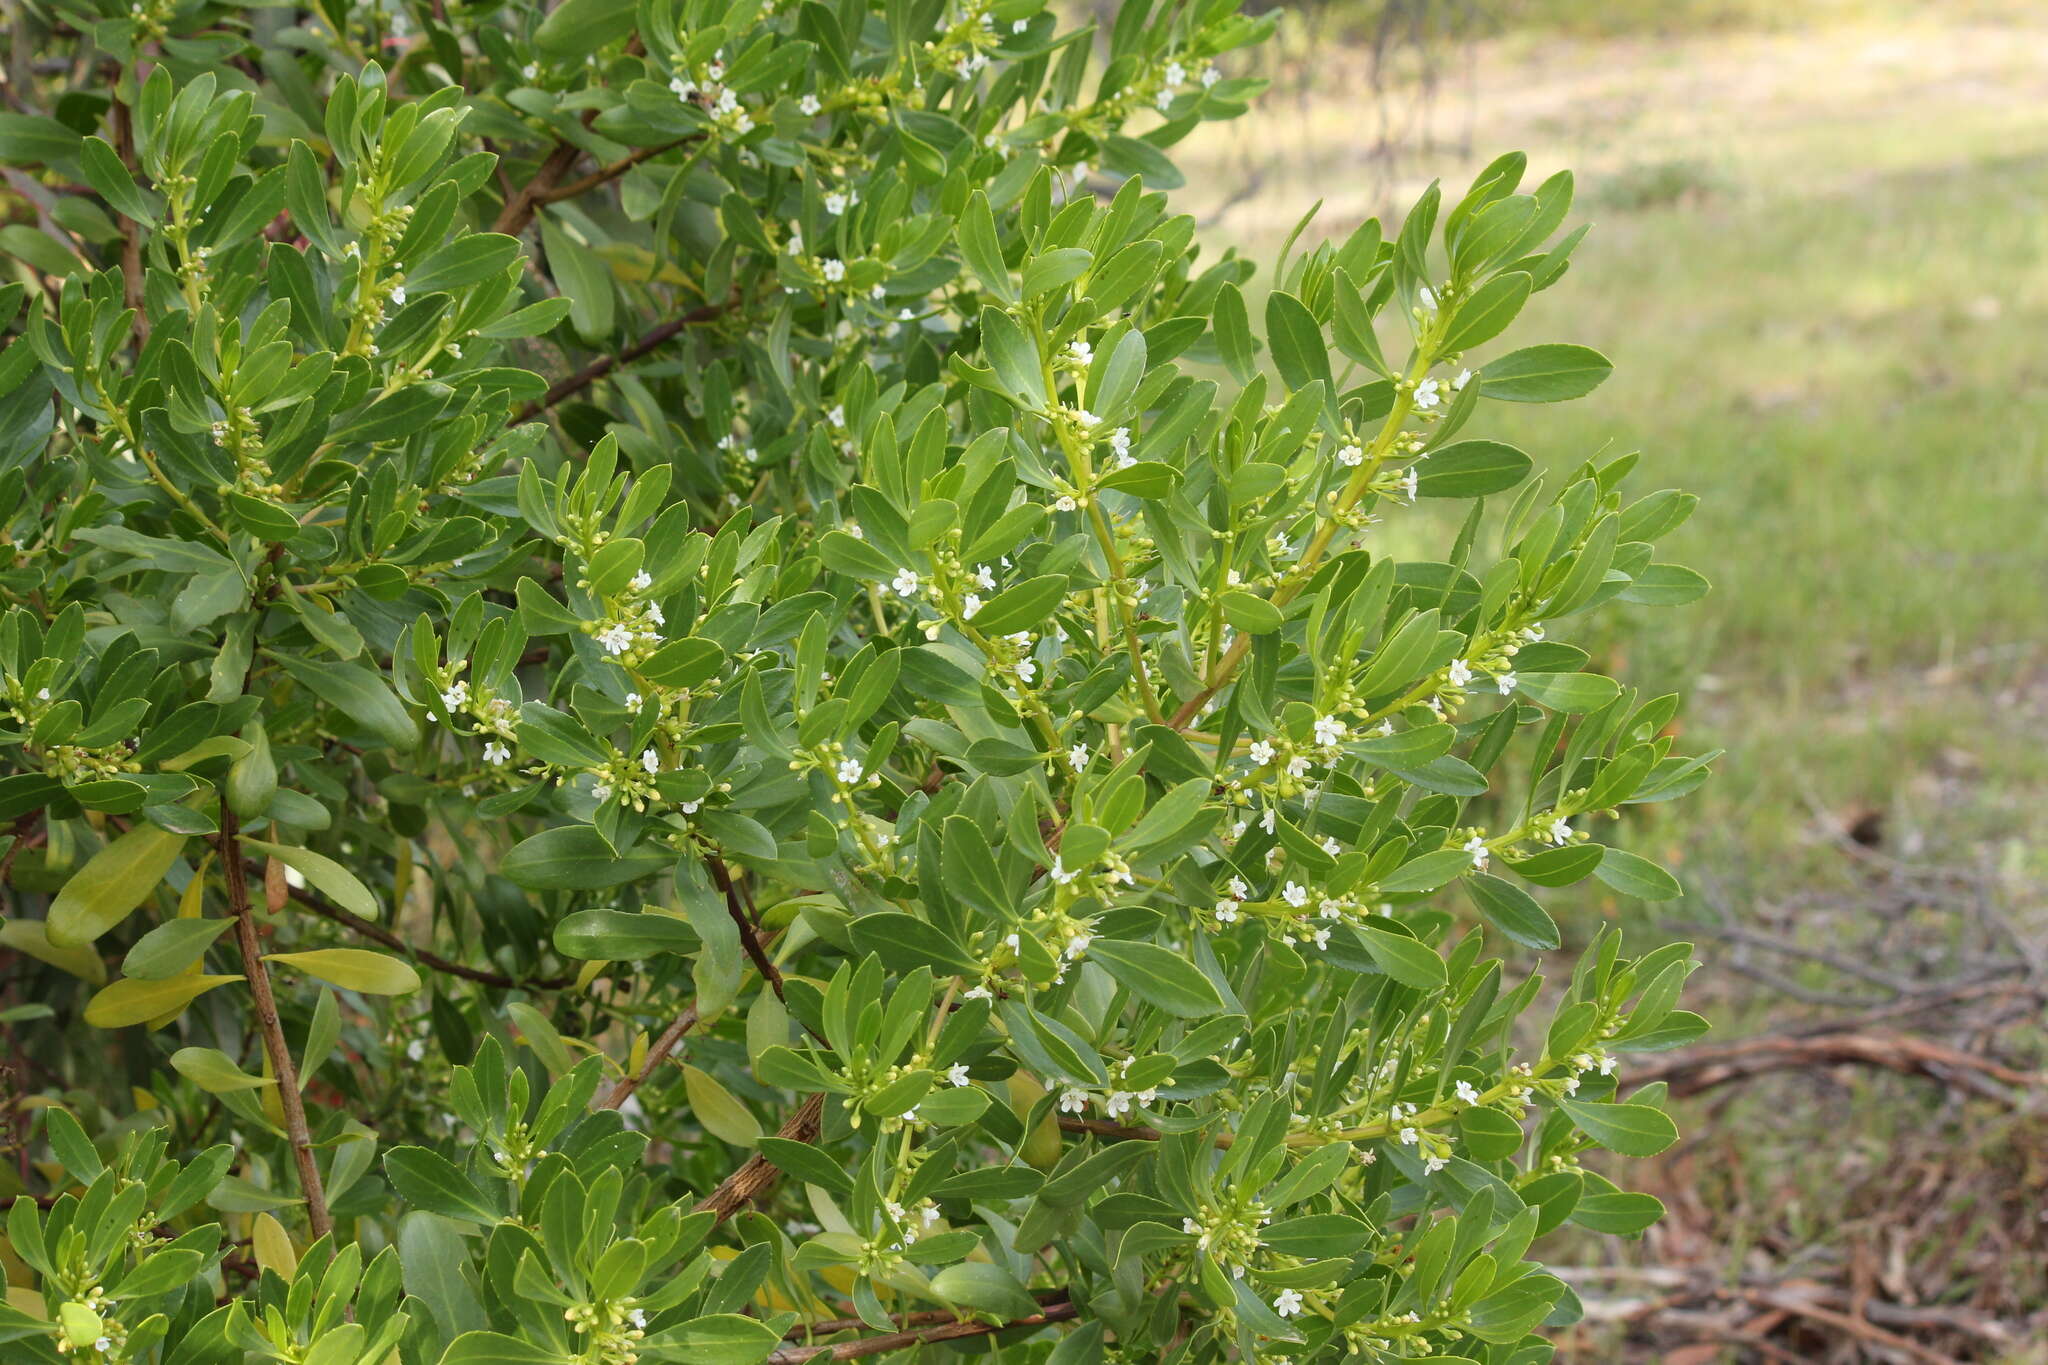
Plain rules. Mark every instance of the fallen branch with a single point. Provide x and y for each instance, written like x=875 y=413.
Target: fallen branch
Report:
x=1705 y=1068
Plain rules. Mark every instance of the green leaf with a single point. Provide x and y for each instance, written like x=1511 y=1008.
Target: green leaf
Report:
x=495 y=1348
x=1513 y=911
x=1544 y=374
x=1631 y=1129
x=584 y=278
x=130 y=1001
x=323 y=874
x=576 y=858
x=171 y=947
x=905 y=943
x=1568 y=692
x=427 y=1180
x=111 y=884
x=1429 y=872
x=1158 y=976
x=1026 y=606
x=353 y=969
x=982 y=250
x=985 y=1286
x=1407 y=960
x=1470 y=469
x=716 y=1339
x=1487 y=313
x=714 y=1107
x=364 y=697
x=1638 y=877
x=1297 y=342
x=1250 y=614
x=215 y=1072
x=623 y=935
x=576 y=28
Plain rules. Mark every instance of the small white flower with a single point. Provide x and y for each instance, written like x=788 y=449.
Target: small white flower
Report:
x=398 y=296
x=835 y=203
x=638 y=1317
x=905 y=583
x=1506 y=682
x=1331 y=846
x=1433 y=1162
x=1119 y=1103
x=1210 y=77
x=1409 y=1137
x=1295 y=894
x=969 y=606
x=1329 y=730
x=1064 y=503
x=1019 y=25
x=1288 y=1304
x=1297 y=766
x=1027 y=669
x=1226 y=912
x=530 y=71
x=1084 y=418
x=1427 y=395
x=415 y=1050
x=617 y=638
x=690 y=807
x=909 y=1115
x=810 y=106
x=984 y=577
x=1608 y=1064
x=716 y=71
x=42 y=694
x=650 y=761
x=1465 y=1093
x=1175 y=73
x=601 y=791
x=1073 y=1101
x=956 y=1074
x=1077 y=757
x=495 y=753
x=1476 y=846
x=632 y=701
x=642 y=581
x=836 y=416
x=1464 y=378
x=850 y=770
x=1060 y=873
x=455 y=697
x=1269 y=819
x=1427 y=298
x=1460 y=673
x=833 y=269
x=1351 y=456
x=1120 y=441
x=656 y=615
x=1079 y=352
x=1322 y=938
x=1261 y=753
x=682 y=88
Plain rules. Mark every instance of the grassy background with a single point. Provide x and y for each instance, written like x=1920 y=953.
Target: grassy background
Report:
x=1820 y=264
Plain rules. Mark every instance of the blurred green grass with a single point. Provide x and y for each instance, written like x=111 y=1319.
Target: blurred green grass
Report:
x=1820 y=264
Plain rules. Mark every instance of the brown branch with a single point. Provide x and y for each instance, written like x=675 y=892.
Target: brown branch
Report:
x=656 y=1054
x=759 y=1173
x=287 y=1076
x=750 y=937
x=1705 y=1068
x=920 y=1318
x=131 y=231
x=899 y=1341
x=604 y=365
x=377 y=933
x=612 y=170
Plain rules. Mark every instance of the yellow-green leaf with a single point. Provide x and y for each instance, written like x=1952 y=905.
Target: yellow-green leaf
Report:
x=722 y=1116
x=353 y=969
x=132 y=1001
x=32 y=937
x=324 y=874
x=111 y=884
x=214 y=1071
x=273 y=1246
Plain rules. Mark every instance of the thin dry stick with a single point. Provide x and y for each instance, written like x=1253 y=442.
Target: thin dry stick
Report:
x=656 y=1054
x=900 y=1341
x=750 y=937
x=267 y=1024
x=605 y=364
x=377 y=933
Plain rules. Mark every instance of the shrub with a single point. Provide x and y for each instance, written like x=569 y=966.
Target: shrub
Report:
x=778 y=781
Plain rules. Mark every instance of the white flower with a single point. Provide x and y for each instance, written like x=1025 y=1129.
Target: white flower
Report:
x=1163 y=101
x=1175 y=73
x=1288 y=1305
x=1460 y=673
x=656 y=615
x=1211 y=76
x=690 y=807
x=1268 y=820
x=1476 y=846
x=969 y=606
x=1226 y=912
x=1331 y=846
x=1297 y=766
x=1409 y=1137
x=1027 y=669
x=1322 y=938
x=1533 y=633
x=650 y=761
x=1351 y=455
x=984 y=577
x=1079 y=352
x=1059 y=873
x=905 y=583
x=1427 y=298
x=1506 y=682
x=835 y=203
x=1427 y=395
x=1083 y=417
x=849 y=770
x=1120 y=441
x=398 y=296
x=836 y=415
x=642 y=581
x=1261 y=752
x=1077 y=757
x=496 y=753
x=1073 y=1101
x=601 y=791
x=683 y=88
x=1329 y=730
x=716 y=71
x=1465 y=1093
x=833 y=269
x=956 y=1074
x=530 y=70
x=1608 y=1064
x=638 y=1317
x=455 y=697
x=909 y=1115
x=1119 y=1103
x=415 y=1050
x=1432 y=1163
x=1330 y=909
x=1295 y=895
x=616 y=637
x=1464 y=378
x=632 y=701
x=1064 y=503
x=810 y=106
x=977 y=993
